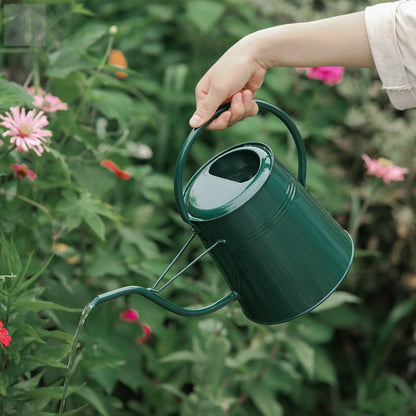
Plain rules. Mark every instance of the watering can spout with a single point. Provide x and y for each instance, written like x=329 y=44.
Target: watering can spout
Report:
x=154 y=297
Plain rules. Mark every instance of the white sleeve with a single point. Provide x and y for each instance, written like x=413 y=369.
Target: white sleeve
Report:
x=391 y=29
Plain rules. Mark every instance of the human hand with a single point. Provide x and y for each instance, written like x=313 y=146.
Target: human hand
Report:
x=235 y=77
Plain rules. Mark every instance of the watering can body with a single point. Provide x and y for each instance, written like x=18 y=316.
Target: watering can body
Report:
x=280 y=252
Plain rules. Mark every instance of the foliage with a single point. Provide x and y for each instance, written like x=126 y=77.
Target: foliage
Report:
x=78 y=229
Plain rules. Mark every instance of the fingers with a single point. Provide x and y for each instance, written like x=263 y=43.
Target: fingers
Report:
x=242 y=106
x=207 y=102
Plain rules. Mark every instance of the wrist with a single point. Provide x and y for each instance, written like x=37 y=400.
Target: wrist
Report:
x=264 y=46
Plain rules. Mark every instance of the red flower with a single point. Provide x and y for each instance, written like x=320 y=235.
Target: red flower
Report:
x=147 y=334
x=21 y=171
x=5 y=338
x=129 y=315
x=115 y=169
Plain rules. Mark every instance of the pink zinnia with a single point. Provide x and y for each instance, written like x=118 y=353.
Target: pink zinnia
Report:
x=5 y=338
x=26 y=129
x=384 y=169
x=21 y=171
x=330 y=75
x=129 y=315
x=46 y=102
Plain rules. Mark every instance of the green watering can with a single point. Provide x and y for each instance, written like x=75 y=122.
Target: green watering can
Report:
x=280 y=252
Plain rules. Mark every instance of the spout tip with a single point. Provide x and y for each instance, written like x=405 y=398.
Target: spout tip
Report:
x=94 y=302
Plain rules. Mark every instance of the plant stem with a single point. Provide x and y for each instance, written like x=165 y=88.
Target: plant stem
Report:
x=363 y=210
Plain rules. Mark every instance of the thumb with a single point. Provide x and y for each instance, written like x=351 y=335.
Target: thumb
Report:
x=205 y=109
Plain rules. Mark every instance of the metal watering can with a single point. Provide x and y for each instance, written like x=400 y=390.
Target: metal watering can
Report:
x=279 y=251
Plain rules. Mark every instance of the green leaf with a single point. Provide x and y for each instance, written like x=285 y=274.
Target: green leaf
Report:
x=31 y=280
x=10 y=263
x=245 y=356
x=180 y=356
x=25 y=329
x=78 y=8
x=4 y=383
x=12 y=94
x=95 y=223
x=63 y=336
x=37 y=306
x=86 y=208
x=304 y=353
x=72 y=55
x=106 y=263
x=53 y=392
x=324 y=369
x=43 y=362
x=204 y=13
x=399 y=312
x=94 y=399
x=265 y=401
x=113 y=105
x=95 y=179
x=338 y=298
x=173 y=390
x=29 y=384
x=312 y=329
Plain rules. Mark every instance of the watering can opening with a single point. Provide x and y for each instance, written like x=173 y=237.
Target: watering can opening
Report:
x=239 y=166
x=228 y=181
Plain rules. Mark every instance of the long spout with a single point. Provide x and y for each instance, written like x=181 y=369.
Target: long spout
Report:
x=151 y=295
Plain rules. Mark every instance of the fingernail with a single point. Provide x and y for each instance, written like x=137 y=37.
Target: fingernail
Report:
x=195 y=120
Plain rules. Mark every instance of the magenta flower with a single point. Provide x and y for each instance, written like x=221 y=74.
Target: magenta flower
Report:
x=21 y=171
x=46 y=102
x=5 y=338
x=330 y=75
x=129 y=315
x=147 y=334
x=384 y=169
x=26 y=129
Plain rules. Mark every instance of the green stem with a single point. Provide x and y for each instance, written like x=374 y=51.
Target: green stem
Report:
x=363 y=210
x=36 y=71
x=89 y=85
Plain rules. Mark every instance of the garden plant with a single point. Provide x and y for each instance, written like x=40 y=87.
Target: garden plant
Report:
x=95 y=99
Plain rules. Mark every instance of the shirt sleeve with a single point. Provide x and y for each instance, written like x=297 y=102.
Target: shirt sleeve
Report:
x=391 y=30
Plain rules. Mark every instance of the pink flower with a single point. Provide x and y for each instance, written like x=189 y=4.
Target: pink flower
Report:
x=147 y=334
x=129 y=315
x=21 y=171
x=46 y=102
x=5 y=338
x=384 y=169
x=26 y=129
x=330 y=75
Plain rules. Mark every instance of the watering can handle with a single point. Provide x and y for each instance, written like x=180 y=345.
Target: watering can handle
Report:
x=189 y=141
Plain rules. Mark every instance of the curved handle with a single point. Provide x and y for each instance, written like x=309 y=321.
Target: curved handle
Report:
x=189 y=141
x=149 y=294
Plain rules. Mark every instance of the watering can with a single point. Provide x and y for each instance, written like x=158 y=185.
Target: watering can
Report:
x=280 y=252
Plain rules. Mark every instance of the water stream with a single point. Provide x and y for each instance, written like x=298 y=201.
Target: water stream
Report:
x=71 y=358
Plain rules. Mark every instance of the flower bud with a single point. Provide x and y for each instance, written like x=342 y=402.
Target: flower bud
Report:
x=113 y=30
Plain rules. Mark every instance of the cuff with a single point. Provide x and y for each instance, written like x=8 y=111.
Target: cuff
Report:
x=382 y=35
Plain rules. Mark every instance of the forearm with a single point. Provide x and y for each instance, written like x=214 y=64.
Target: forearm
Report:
x=336 y=41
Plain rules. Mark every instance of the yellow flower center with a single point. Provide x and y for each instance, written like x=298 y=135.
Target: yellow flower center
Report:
x=385 y=162
x=25 y=129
